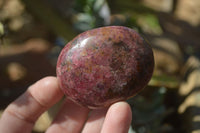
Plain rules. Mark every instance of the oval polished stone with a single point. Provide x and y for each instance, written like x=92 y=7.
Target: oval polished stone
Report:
x=104 y=65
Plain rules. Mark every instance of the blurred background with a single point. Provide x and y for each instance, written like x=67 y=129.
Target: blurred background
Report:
x=32 y=33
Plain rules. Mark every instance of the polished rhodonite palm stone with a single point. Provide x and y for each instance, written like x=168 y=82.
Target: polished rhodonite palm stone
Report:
x=104 y=65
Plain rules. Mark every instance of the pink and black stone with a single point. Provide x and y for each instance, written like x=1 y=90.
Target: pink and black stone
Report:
x=104 y=65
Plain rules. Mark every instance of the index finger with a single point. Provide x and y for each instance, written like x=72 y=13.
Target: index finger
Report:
x=21 y=114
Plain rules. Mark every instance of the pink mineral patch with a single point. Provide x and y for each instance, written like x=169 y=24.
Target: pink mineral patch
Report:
x=104 y=65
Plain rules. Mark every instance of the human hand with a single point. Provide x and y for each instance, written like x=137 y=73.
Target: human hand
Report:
x=20 y=115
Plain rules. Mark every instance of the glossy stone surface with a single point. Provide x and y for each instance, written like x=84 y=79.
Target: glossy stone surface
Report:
x=104 y=65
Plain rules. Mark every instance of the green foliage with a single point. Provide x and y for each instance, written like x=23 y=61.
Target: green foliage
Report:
x=87 y=14
x=164 y=80
x=149 y=23
x=149 y=110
